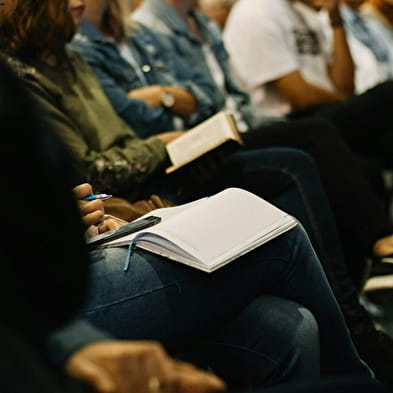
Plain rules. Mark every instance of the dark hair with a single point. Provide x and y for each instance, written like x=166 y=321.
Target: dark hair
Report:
x=31 y=28
x=44 y=263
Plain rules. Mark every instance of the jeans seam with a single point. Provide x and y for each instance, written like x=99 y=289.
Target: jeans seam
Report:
x=146 y=292
x=246 y=350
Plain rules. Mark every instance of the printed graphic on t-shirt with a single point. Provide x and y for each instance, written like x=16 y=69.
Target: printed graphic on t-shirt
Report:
x=307 y=42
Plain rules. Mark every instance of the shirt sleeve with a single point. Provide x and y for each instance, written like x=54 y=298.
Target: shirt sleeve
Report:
x=78 y=333
x=144 y=120
x=181 y=75
x=259 y=46
x=126 y=163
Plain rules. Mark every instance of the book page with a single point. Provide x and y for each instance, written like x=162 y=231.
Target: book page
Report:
x=221 y=225
x=212 y=231
x=202 y=138
x=164 y=213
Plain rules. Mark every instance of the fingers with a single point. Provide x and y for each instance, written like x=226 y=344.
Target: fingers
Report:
x=82 y=190
x=92 y=212
x=141 y=367
x=91 y=374
x=185 y=378
x=109 y=224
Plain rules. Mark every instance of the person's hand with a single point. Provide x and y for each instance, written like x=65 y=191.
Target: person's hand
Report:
x=150 y=95
x=92 y=211
x=169 y=136
x=137 y=367
x=111 y=223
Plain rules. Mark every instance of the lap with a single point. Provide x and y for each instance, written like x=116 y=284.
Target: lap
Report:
x=167 y=301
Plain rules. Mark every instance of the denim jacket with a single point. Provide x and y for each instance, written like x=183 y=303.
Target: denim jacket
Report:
x=159 y=66
x=161 y=17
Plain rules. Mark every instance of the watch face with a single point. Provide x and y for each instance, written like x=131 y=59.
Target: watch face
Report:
x=168 y=100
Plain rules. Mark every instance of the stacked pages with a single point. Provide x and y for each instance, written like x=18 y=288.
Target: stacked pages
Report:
x=211 y=232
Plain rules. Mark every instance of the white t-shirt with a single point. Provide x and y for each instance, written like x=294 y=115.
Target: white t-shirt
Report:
x=268 y=39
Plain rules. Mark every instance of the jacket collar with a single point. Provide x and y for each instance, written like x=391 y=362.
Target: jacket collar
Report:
x=166 y=12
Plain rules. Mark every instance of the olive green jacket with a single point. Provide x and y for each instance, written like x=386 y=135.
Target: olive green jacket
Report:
x=109 y=154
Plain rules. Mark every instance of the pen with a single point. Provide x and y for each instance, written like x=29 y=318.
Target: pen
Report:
x=93 y=197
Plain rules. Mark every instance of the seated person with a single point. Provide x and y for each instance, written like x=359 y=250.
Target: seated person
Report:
x=340 y=174
x=149 y=87
x=50 y=294
x=44 y=287
x=198 y=42
x=111 y=157
x=295 y=73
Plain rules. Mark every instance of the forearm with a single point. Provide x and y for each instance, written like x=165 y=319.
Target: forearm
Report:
x=303 y=94
x=342 y=69
x=62 y=343
x=314 y=95
x=185 y=103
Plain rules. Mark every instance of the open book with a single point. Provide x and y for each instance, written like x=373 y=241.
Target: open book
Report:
x=211 y=232
x=206 y=136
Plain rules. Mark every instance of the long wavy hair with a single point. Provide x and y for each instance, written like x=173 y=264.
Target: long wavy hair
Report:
x=32 y=28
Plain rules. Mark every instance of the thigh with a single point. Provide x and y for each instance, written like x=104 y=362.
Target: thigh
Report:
x=271 y=340
x=167 y=301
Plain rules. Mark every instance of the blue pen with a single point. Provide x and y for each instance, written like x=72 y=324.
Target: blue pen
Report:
x=93 y=197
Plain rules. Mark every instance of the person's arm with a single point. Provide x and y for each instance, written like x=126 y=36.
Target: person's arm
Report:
x=94 y=357
x=184 y=103
x=93 y=212
x=342 y=68
x=275 y=62
x=128 y=162
x=172 y=70
x=140 y=366
x=301 y=93
x=145 y=120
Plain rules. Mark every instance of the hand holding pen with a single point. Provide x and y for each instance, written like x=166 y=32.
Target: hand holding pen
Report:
x=91 y=206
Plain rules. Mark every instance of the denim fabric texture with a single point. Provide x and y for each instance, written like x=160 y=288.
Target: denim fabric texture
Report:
x=161 y=17
x=266 y=308
x=160 y=66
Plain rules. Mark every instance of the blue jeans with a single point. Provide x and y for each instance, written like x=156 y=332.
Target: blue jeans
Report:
x=289 y=179
x=251 y=321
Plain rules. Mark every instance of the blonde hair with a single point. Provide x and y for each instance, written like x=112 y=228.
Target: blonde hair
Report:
x=113 y=20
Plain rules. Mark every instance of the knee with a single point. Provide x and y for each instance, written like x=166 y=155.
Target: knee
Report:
x=293 y=160
x=285 y=340
x=304 y=357
x=299 y=333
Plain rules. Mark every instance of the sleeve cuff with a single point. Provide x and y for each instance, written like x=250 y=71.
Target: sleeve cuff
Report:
x=65 y=341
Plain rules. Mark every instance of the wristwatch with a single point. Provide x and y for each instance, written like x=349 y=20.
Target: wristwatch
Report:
x=167 y=100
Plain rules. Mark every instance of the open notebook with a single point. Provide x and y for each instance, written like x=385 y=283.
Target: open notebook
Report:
x=211 y=232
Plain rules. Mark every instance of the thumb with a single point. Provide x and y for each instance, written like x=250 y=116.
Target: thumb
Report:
x=93 y=375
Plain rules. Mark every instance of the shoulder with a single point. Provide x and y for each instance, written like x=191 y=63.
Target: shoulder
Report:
x=34 y=80
x=22 y=70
